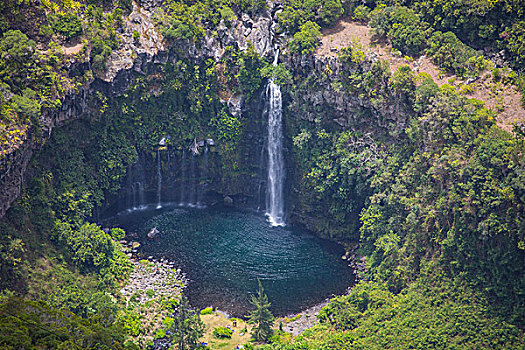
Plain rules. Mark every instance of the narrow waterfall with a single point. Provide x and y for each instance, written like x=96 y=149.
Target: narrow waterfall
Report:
x=159 y=180
x=183 y=179
x=193 y=179
x=169 y=165
x=132 y=200
x=140 y=193
x=203 y=183
x=274 y=190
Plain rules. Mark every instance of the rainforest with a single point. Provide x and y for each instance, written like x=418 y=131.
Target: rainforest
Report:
x=260 y=174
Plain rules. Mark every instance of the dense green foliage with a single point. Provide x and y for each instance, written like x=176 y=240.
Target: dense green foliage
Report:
x=402 y=26
x=186 y=327
x=298 y=12
x=69 y=25
x=429 y=315
x=440 y=191
x=36 y=325
x=412 y=36
x=306 y=40
x=188 y=20
x=436 y=197
x=480 y=24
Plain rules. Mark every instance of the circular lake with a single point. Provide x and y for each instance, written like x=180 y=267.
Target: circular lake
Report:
x=223 y=251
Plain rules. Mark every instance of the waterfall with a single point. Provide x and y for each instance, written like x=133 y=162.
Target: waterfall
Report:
x=168 y=167
x=140 y=190
x=159 y=180
x=274 y=190
x=136 y=200
x=132 y=200
x=204 y=179
x=193 y=180
x=182 y=178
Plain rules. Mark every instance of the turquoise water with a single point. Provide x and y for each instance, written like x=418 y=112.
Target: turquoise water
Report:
x=224 y=251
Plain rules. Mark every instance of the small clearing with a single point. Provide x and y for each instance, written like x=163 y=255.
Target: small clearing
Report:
x=72 y=50
x=503 y=99
x=220 y=319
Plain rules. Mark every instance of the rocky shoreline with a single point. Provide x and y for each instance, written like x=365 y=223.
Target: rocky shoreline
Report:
x=153 y=279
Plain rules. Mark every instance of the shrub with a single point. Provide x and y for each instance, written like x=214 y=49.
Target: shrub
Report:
x=161 y=333
x=136 y=36
x=227 y=14
x=514 y=38
x=306 y=40
x=207 y=311
x=228 y=126
x=182 y=30
x=361 y=14
x=69 y=25
x=27 y=105
x=89 y=246
x=117 y=233
x=279 y=73
x=222 y=332
x=449 y=53
x=17 y=46
x=296 y=13
x=402 y=26
x=496 y=74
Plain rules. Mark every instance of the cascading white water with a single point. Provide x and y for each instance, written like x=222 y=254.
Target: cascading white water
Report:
x=183 y=179
x=193 y=188
x=204 y=180
x=140 y=190
x=274 y=191
x=159 y=181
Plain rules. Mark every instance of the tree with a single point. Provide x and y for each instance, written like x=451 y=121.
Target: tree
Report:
x=187 y=326
x=261 y=316
x=306 y=40
x=69 y=25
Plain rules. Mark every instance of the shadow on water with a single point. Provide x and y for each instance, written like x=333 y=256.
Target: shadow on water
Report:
x=224 y=250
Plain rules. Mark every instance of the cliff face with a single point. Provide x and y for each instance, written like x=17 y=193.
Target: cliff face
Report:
x=321 y=90
x=330 y=95
x=14 y=165
x=326 y=92
x=132 y=58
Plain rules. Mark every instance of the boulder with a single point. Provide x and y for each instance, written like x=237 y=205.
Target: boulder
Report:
x=153 y=233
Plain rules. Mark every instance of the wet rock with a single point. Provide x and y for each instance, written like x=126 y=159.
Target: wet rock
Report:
x=228 y=200
x=153 y=233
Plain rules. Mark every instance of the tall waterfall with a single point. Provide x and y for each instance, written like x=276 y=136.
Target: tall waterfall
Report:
x=159 y=181
x=274 y=190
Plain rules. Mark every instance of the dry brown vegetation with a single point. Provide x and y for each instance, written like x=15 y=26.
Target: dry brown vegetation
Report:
x=503 y=99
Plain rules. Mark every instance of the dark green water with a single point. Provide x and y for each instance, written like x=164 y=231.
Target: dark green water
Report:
x=223 y=252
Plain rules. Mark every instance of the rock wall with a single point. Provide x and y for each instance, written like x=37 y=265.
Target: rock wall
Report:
x=322 y=95
x=14 y=166
x=131 y=59
x=325 y=94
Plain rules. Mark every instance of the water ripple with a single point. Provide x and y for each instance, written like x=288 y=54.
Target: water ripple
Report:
x=225 y=251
